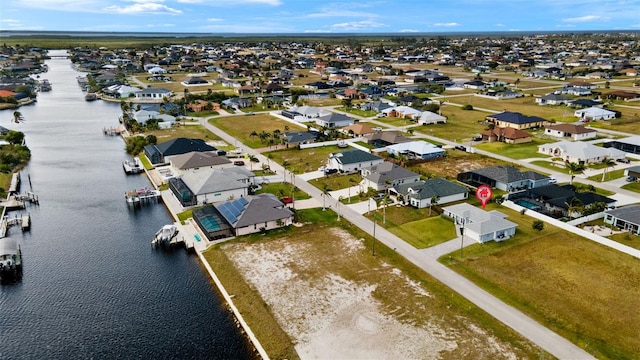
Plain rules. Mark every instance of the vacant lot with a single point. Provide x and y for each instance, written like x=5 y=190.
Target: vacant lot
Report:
x=242 y=126
x=580 y=289
x=186 y=131
x=455 y=162
x=335 y=300
x=516 y=151
x=305 y=160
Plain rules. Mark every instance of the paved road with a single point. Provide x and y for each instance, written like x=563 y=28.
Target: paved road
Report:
x=527 y=327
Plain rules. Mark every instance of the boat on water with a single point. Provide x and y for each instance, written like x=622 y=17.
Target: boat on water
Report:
x=91 y=97
x=164 y=236
x=10 y=260
x=132 y=166
x=141 y=195
x=44 y=85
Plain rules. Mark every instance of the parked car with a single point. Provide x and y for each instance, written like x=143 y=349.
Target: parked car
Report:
x=378 y=196
x=631 y=179
x=329 y=171
x=221 y=152
x=460 y=147
x=623 y=160
x=238 y=162
x=553 y=180
x=254 y=159
x=377 y=128
x=286 y=199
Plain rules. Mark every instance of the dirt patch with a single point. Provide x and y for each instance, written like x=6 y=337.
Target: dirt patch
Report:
x=332 y=314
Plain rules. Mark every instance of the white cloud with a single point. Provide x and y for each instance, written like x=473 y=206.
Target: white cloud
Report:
x=449 y=24
x=317 y=31
x=214 y=19
x=10 y=21
x=408 y=31
x=357 y=25
x=341 y=13
x=229 y=3
x=586 y=18
x=142 y=7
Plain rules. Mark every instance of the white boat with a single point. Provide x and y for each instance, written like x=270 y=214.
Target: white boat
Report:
x=132 y=166
x=10 y=259
x=164 y=236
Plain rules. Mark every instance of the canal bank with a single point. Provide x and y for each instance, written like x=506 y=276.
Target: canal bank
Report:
x=92 y=287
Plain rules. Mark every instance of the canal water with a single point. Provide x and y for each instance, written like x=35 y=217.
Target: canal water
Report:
x=92 y=286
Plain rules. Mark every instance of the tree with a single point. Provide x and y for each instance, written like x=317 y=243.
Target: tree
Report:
x=574 y=168
x=434 y=200
x=608 y=163
x=325 y=193
x=537 y=225
x=14 y=137
x=18 y=117
x=574 y=207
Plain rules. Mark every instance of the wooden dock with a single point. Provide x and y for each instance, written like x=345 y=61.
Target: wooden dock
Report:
x=24 y=221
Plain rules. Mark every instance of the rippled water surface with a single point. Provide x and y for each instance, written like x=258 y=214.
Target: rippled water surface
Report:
x=92 y=287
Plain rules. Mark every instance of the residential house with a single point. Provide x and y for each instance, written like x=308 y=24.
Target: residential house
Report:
x=506 y=135
x=156 y=153
x=381 y=139
x=255 y=213
x=237 y=103
x=203 y=187
x=352 y=160
x=571 y=131
x=153 y=94
x=594 y=113
x=516 y=120
x=195 y=81
x=479 y=225
x=428 y=117
x=376 y=106
x=296 y=138
x=504 y=177
x=584 y=103
x=552 y=99
x=475 y=84
x=386 y=175
x=580 y=152
x=402 y=112
x=419 y=194
x=625 y=218
x=334 y=120
x=556 y=201
x=309 y=112
x=246 y=215
x=198 y=161
x=632 y=171
x=416 y=150
x=629 y=144
x=165 y=121
x=358 y=129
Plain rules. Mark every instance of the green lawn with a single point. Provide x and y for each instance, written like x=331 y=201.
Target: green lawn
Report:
x=551 y=166
x=610 y=175
x=241 y=128
x=337 y=181
x=635 y=187
x=283 y=189
x=425 y=233
x=516 y=151
x=304 y=160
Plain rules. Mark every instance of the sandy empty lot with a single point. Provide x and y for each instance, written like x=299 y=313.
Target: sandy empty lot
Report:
x=331 y=317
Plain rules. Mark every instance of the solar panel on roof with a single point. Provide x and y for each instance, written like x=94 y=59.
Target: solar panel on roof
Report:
x=243 y=201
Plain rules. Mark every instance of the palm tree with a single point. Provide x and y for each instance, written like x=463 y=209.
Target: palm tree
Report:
x=325 y=193
x=17 y=117
x=285 y=165
x=576 y=206
x=574 y=168
x=608 y=163
x=434 y=199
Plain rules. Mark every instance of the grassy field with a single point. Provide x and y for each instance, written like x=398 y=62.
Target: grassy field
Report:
x=240 y=127
x=516 y=151
x=396 y=298
x=422 y=233
x=283 y=189
x=336 y=182
x=525 y=105
x=462 y=125
x=304 y=160
x=579 y=289
x=455 y=162
x=634 y=186
x=186 y=131
x=610 y=175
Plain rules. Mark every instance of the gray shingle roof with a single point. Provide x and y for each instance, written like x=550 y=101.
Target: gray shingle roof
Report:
x=260 y=209
x=430 y=188
x=629 y=213
x=196 y=159
x=516 y=118
x=354 y=156
x=508 y=174
x=387 y=170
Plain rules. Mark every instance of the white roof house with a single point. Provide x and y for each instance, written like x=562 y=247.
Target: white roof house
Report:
x=165 y=121
x=428 y=117
x=579 y=152
x=419 y=149
x=480 y=225
x=594 y=113
x=402 y=111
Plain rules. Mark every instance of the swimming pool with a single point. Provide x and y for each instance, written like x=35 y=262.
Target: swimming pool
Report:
x=527 y=204
x=210 y=223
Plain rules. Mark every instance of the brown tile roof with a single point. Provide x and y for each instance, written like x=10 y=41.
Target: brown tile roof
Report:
x=508 y=133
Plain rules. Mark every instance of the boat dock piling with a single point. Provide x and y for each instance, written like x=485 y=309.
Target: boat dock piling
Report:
x=112 y=131
x=24 y=221
x=142 y=196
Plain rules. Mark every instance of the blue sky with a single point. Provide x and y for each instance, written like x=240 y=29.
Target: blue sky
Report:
x=314 y=16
